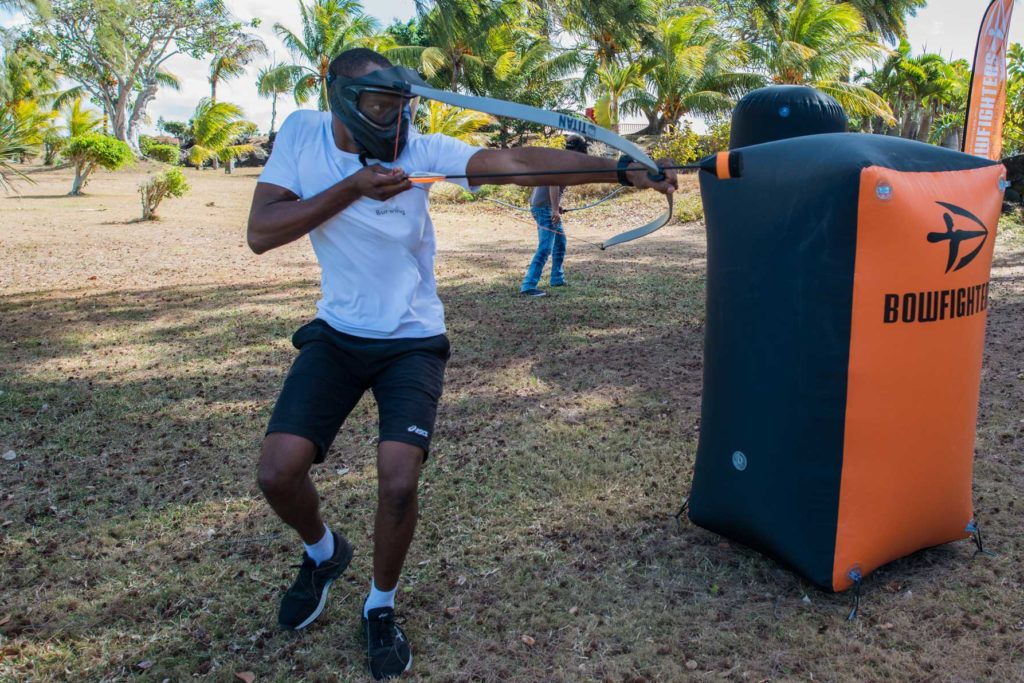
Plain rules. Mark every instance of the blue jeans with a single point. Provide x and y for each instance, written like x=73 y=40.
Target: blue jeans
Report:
x=551 y=242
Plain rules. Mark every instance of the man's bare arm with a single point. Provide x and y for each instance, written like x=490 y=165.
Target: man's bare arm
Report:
x=555 y=197
x=524 y=160
x=278 y=216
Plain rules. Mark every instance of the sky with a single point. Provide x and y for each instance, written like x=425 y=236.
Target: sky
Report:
x=948 y=27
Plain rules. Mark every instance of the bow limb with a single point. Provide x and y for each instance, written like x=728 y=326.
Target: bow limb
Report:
x=543 y=117
x=644 y=230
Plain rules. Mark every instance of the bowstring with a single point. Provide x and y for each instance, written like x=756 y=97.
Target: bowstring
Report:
x=561 y=232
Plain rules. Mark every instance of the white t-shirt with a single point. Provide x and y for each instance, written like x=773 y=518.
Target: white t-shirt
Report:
x=376 y=258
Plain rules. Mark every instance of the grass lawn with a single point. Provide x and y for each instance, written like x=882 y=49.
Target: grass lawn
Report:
x=138 y=366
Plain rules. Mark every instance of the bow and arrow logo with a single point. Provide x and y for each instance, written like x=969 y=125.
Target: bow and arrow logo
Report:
x=957 y=237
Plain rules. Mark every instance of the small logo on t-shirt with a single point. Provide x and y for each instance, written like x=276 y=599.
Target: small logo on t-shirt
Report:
x=390 y=210
x=416 y=430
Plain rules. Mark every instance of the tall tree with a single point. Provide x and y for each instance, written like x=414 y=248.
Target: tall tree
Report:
x=231 y=58
x=116 y=49
x=923 y=91
x=455 y=35
x=608 y=29
x=692 y=69
x=329 y=27
x=25 y=73
x=815 y=42
x=615 y=83
x=216 y=127
x=79 y=120
x=463 y=124
x=272 y=81
x=525 y=67
x=16 y=143
x=888 y=17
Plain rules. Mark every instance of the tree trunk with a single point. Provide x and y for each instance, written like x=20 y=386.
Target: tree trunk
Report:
x=907 y=127
x=82 y=171
x=925 y=129
x=142 y=100
x=952 y=140
x=213 y=89
x=119 y=125
x=273 y=115
x=229 y=167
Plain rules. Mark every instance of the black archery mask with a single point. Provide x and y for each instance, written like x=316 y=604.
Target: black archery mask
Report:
x=375 y=109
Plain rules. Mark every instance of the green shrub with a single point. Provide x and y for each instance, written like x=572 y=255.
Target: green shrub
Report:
x=556 y=141
x=145 y=142
x=170 y=183
x=52 y=146
x=87 y=152
x=716 y=139
x=168 y=154
x=678 y=143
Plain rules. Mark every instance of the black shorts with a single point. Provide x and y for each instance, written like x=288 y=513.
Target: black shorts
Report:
x=332 y=372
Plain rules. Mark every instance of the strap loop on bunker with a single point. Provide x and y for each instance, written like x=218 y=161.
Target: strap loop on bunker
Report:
x=975 y=531
x=857 y=579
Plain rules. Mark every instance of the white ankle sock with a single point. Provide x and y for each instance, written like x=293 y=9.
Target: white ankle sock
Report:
x=322 y=549
x=378 y=598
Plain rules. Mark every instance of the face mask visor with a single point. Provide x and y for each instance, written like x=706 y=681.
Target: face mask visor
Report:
x=380 y=107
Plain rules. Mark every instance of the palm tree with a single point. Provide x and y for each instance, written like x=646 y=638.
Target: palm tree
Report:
x=888 y=17
x=526 y=68
x=888 y=82
x=463 y=124
x=329 y=27
x=216 y=126
x=948 y=127
x=615 y=83
x=609 y=29
x=272 y=81
x=16 y=143
x=691 y=70
x=79 y=120
x=931 y=87
x=230 y=60
x=920 y=90
x=607 y=32
x=815 y=42
x=24 y=74
x=457 y=33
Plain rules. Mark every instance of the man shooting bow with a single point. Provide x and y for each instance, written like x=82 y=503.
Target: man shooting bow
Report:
x=341 y=178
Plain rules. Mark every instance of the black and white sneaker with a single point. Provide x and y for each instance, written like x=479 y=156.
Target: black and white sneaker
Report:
x=305 y=600
x=388 y=653
x=535 y=293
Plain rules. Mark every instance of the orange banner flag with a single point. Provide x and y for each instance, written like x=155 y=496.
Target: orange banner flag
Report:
x=986 y=103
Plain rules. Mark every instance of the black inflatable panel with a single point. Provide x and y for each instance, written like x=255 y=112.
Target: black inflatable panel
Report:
x=784 y=111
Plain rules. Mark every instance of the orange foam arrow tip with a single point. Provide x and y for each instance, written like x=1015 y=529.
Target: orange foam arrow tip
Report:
x=423 y=178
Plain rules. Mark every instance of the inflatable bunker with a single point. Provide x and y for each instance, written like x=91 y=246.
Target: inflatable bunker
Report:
x=846 y=294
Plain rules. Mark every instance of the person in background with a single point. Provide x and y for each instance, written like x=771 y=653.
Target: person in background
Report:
x=545 y=205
